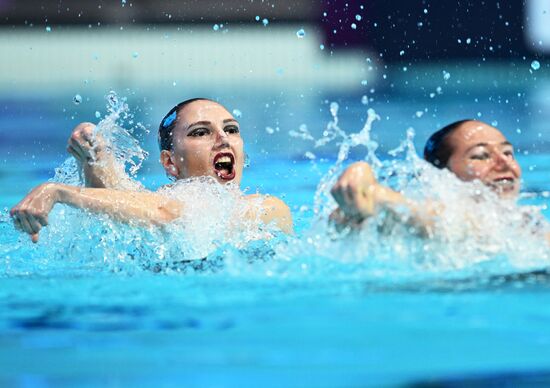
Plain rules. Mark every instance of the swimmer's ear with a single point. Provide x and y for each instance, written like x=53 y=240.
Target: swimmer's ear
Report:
x=168 y=164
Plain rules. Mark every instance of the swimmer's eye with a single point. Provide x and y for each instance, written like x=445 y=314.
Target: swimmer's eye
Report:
x=509 y=153
x=480 y=156
x=199 y=132
x=231 y=129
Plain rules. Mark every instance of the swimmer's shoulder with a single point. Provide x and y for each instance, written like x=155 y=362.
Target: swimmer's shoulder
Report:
x=273 y=210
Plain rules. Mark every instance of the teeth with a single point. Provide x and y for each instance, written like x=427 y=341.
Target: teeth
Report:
x=504 y=182
x=224 y=159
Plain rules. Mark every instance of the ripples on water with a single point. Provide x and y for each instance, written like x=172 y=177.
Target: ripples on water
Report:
x=207 y=244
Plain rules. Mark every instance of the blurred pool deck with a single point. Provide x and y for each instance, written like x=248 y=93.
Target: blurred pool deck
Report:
x=250 y=57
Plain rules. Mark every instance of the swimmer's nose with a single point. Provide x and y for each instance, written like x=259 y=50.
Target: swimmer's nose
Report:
x=222 y=140
x=502 y=161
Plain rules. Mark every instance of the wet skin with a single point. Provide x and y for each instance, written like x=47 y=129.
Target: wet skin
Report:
x=481 y=152
x=206 y=142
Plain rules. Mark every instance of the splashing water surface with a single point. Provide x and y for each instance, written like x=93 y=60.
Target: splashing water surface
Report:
x=475 y=236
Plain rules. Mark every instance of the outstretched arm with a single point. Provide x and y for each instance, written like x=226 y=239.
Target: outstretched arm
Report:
x=31 y=214
x=99 y=166
x=360 y=196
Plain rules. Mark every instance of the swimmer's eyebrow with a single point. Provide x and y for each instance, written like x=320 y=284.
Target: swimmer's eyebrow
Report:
x=487 y=144
x=204 y=122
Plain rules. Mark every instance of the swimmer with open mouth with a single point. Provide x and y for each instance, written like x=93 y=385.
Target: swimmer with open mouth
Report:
x=198 y=137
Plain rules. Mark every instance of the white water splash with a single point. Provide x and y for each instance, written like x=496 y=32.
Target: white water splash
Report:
x=119 y=142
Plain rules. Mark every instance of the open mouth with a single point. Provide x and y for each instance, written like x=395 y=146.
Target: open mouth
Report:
x=504 y=184
x=224 y=163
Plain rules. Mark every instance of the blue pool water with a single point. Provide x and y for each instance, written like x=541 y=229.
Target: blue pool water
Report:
x=69 y=316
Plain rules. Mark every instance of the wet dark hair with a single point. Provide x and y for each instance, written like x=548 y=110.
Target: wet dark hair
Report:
x=168 y=123
x=438 y=150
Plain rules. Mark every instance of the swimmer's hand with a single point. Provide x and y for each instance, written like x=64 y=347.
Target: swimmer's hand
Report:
x=357 y=194
x=31 y=214
x=98 y=163
x=84 y=144
x=360 y=196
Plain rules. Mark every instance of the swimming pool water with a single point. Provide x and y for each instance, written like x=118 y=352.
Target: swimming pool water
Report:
x=70 y=321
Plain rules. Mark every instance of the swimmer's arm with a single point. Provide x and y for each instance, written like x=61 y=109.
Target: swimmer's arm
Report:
x=31 y=214
x=359 y=196
x=127 y=206
x=420 y=216
x=400 y=209
x=273 y=211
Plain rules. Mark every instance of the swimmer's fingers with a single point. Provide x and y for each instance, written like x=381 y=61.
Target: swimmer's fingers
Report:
x=81 y=148
x=77 y=153
x=25 y=224
x=341 y=194
x=17 y=223
x=338 y=195
x=84 y=140
x=360 y=201
x=90 y=139
x=30 y=223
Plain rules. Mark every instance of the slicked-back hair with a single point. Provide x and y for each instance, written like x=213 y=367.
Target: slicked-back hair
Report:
x=438 y=149
x=169 y=121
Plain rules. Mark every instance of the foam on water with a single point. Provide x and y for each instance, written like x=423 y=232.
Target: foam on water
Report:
x=476 y=233
x=475 y=236
x=119 y=141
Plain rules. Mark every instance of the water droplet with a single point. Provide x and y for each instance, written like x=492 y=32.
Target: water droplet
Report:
x=216 y=27
x=364 y=82
x=446 y=75
x=468 y=41
x=322 y=46
x=334 y=108
x=419 y=114
x=123 y=2
x=97 y=114
x=353 y=26
x=425 y=10
x=265 y=22
x=364 y=100
x=300 y=33
x=237 y=113
x=432 y=95
x=269 y=130
x=135 y=54
x=494 y=123
x=358 y=18
x=402 y=52
x=309 y=155
x=48 y=29
x=535 y=65
x=77 y=99
x=113 y=101
x=257 y=18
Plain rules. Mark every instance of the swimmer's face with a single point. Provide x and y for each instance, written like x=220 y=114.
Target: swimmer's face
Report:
x=482 y=152
x=206 y=142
